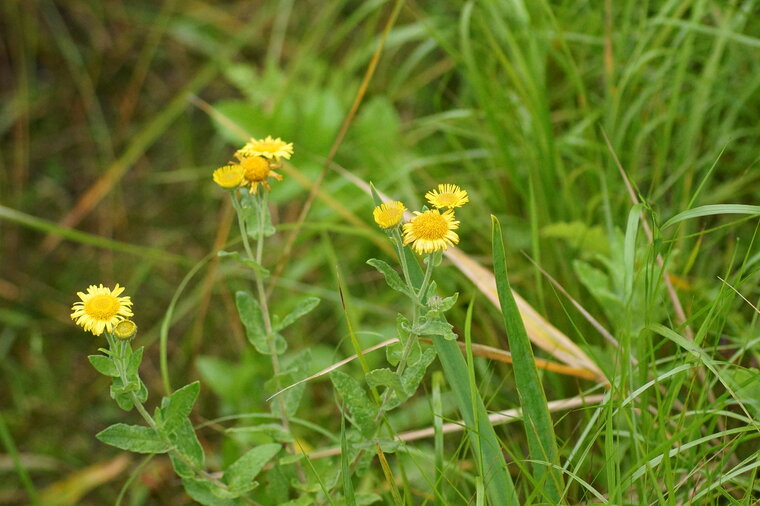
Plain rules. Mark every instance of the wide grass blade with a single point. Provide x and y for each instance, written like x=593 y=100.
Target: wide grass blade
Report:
x=538 y=423
x=483 y=439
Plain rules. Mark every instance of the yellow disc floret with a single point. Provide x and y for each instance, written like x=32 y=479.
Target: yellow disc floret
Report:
x=100 y=308
x=268 y=148
x=256 y=170
x=389 y=214
x=431 y=231
x=447 y=195
x=229 y=176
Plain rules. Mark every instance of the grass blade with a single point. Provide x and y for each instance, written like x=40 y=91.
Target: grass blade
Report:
x=485 y=443
x=711 y=210
x=538 y=423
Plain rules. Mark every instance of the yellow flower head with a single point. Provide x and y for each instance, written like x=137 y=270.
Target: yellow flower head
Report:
x=447 y=195
x=389 y=214
x=268 y=148
x=101 y=308
x=431 y=231
x=229 y=176
x=256 y=170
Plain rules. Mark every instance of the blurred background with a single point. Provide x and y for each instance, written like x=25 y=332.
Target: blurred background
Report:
x=114 y=114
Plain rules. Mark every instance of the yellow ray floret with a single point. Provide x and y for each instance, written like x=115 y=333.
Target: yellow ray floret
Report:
x=229 y=176
x=431 y=231
x=389 y=214
x=447 y=195
x=101 y=308
x=268 y=148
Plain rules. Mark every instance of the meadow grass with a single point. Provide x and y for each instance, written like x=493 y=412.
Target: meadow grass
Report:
x=615 y=143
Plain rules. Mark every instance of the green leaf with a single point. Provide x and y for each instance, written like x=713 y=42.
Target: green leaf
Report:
x=251 y=212
x=104 y=365
x=134 y=363
x=142 y=393
x=348 y=486
x=711 y=210
x=387 y=378
x=240 y=475
x=303 y=307
x=207 y=493
x=296 y=368
x=362 y=410
x=253 y=321
x=391 y=276
x=442 y=304
x=539 y=428
x=177 y=407
x=435 y=327
x=133 y=438
x=185 y=442
x=248 y=262
x=413 y=374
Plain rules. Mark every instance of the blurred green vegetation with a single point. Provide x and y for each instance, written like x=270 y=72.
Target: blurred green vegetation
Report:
x=114 y=114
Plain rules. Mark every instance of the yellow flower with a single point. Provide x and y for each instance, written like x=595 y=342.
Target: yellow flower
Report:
x=389 y=214
x=254 y=171
x=268 y=148
x=431 y=231
x=447 y=195
x=229 y=176
x=101 y=308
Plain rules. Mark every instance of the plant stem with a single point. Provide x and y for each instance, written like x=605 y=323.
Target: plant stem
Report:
x=260 y=201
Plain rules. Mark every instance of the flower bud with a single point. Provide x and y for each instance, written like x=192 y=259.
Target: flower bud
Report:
x=125 y=329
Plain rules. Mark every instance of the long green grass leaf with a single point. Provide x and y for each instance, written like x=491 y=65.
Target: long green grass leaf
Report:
x=538 y=423
x=711 y=210
x=499 y=486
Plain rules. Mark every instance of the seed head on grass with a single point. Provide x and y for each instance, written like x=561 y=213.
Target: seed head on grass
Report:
x=389 y=214
x=447 y=195
x=431 y=231
x=101 y=308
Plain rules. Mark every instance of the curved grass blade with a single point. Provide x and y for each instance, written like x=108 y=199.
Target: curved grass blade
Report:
x=538 y=423
x=712 y=210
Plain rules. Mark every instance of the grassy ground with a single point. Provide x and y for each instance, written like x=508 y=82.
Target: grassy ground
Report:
x=556 y=117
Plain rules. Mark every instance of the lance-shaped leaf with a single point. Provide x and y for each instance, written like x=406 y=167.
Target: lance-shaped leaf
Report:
x=188 y=454
x=386 y=378
x=176 y=407
x=391 y=276
x=362 y=410
x=104 y=365
x=241 y=474
x=133 y=438
x=538 y=423
x=303 y=307
x=253 y=321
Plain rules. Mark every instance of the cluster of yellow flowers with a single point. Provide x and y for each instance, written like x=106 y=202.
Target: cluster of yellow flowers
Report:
x=255 y=163
x=430 y=230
